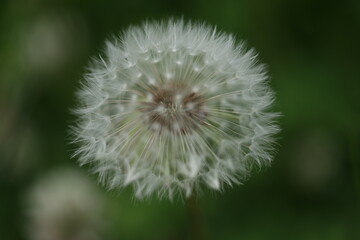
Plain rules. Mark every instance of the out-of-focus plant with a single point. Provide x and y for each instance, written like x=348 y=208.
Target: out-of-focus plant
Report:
x=64 y=205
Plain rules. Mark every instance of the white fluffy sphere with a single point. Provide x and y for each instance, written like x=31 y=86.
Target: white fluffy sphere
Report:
x=172 y=107
x=64 y=204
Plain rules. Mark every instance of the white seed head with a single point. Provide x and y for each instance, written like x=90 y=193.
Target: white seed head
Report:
x=195 y=111
x=64 y=205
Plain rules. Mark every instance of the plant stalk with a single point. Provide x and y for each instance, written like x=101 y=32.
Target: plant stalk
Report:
x=195 y=219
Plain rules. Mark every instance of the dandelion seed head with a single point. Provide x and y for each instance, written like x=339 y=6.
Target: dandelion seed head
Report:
x=64 y=205
x=172 y=107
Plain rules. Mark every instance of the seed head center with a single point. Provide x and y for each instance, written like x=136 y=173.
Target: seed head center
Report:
x=174 y=108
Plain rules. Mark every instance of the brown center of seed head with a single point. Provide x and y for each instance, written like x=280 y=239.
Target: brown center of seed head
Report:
x=174 y=108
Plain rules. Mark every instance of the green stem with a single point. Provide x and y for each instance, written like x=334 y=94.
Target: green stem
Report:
x=195 y=220
x=354 y=145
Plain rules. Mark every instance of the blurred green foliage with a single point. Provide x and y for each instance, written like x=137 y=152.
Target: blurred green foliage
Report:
x=312 y=49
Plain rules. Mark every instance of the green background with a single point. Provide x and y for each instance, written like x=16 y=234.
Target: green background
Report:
x=312 y=49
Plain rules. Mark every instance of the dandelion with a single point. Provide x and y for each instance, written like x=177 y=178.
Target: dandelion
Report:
x=172 y=107
x=64 y=205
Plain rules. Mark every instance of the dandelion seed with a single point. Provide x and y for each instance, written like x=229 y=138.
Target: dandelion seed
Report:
x=195 y=111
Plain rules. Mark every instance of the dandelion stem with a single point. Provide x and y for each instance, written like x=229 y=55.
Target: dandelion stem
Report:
x=196 y=223
x=355 y=166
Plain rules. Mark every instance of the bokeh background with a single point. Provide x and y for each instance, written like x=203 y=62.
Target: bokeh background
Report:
x=312 y=190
